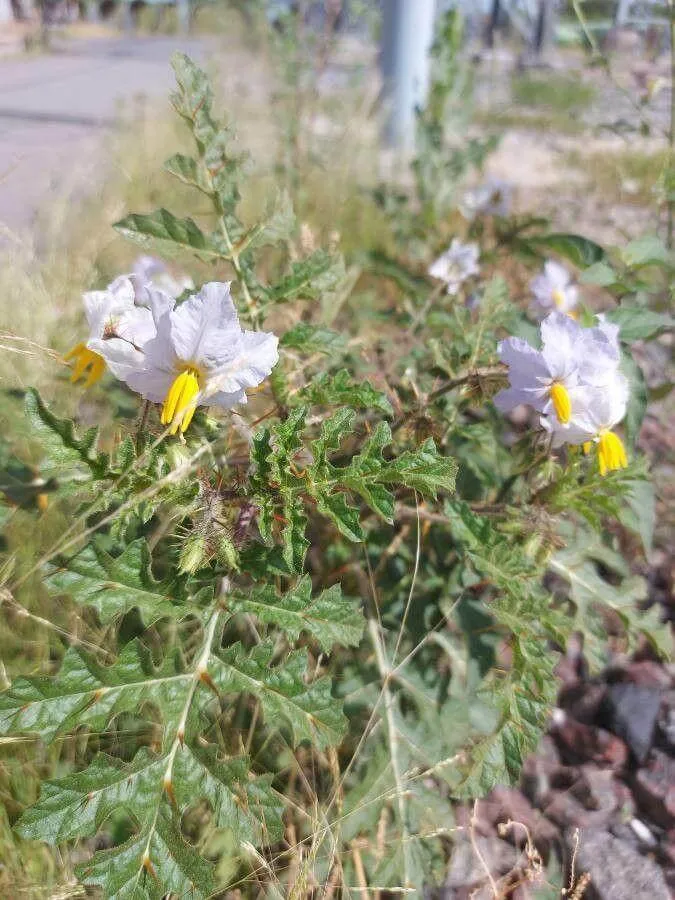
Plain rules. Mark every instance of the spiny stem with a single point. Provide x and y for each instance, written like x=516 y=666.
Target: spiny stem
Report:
x=465 y=378
x=198 y=671
x=236 y=264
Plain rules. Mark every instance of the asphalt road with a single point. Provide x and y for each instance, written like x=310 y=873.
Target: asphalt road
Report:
x=55 y=109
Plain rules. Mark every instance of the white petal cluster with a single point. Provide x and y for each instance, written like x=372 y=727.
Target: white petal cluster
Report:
x=492 y=198
x=573 y=381
x=121 y=321
x=203 y=337
x=553 y=289
x=182 y=356
x=456 y=265
x=150 y=270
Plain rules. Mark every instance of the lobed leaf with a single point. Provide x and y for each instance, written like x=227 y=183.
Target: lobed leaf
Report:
x=166 y=233
x=309 y=278
x=328 y=617
x=66 y=456
x=148 y=866
x=341 y=389
x=309 y=709
x=113 y=586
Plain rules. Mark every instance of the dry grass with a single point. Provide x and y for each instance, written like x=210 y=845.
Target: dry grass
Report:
x=629 y=175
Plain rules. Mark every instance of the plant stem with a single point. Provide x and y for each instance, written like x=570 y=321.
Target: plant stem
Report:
x=392 y=737
x=465 y=378
x=198 y=672
x=236 y=264
x=671 y=130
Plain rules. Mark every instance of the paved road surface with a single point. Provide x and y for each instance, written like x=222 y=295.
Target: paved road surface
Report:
x=55 y=109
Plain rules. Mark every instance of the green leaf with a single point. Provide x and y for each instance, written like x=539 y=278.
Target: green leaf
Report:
x=333 y=432
x=279 y=221
x=579 y=250
x=498 y=758
x=185 y=767
x=328 y=617
x=590 y=592
x=187 y=170
x=646 y=250
x=88 y=693
x=67 y=456
x=295 y=543
x=194 y=90
x=425 y=469
x=639 y=511
x=639 y=323
x=334 y=390
x=148 y=866
x=162 y=231
x=113 y=586
x=381 y=264
x=342 y=514
x=309 y=709
x=312 y=339
x=309 y=278
x=81 y=802
x=600 y=273
x=245 y=804
x=637 y=401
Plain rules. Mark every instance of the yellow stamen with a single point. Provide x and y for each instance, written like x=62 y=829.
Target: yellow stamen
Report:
x=86 y=363
x=561 y=402
x=179 y=405
x=558 y=297
x=611 y=452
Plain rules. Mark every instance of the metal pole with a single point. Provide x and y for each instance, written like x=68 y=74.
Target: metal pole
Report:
x=492 y=24
x=407 y=34
x=544 y=26
x=183 y=16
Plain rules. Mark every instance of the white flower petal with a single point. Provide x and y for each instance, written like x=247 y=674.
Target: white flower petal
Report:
x=522 y=359
x=204 y=324
x=227 y=401
x=137 y=327
x=121 y=357
x=258 y=354
x=561 y=340
x=96 y=306
x=509 y=398
x=152 y=384
x=146 y=267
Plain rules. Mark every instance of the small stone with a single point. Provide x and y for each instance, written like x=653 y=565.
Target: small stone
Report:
x=654 y=790
x=595 y=788
x=647 y=673
x=466 y=869
x=582 y=701
x=509 y=804
x=539 y=769
x=617 y=870
x=666 y=726
x=579 y=743
x=567 y=812
x=643 y=834
x=630 y=712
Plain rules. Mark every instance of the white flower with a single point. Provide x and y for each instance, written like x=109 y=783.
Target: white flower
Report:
x=596 y=411
x=459 y=262
x=570 y=357
x=493 y=198
x=553 y=288
x=121 y=321
x=201 y=355
x=151 y=271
